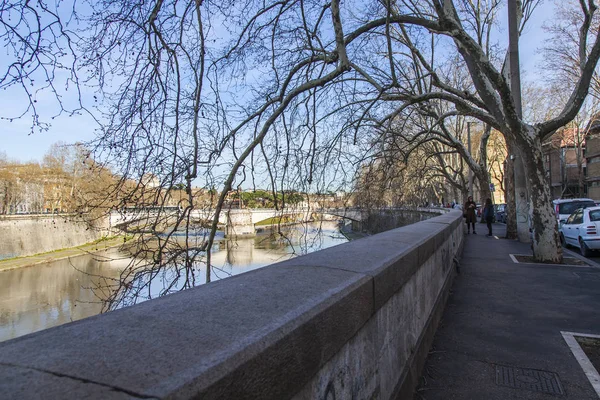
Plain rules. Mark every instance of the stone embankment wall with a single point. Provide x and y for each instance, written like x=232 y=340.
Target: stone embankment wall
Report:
x=354 y=321
x=384 y=220
x=22 y=235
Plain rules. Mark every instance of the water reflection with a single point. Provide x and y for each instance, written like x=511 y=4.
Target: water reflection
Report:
x=51 y=294
x=267 y=248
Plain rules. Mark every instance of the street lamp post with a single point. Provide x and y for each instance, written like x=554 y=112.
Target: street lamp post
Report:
x=520 y=183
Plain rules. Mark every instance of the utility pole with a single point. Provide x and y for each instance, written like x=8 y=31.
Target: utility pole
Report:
x=470 y=155
x=521 y=203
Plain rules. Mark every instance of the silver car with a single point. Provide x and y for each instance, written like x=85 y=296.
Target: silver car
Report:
x=582 y=230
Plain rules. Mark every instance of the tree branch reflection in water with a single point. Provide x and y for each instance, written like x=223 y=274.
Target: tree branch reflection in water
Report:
x=52 y=294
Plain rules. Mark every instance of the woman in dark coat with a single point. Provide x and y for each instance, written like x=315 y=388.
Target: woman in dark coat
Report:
x=488 y=215
x=469 y=211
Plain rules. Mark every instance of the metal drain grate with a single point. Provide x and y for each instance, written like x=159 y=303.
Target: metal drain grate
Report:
x=530 y=379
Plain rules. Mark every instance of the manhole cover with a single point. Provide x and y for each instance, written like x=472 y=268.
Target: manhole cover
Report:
x=530 y=379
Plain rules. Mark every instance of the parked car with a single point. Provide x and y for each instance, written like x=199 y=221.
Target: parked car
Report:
x=582 y=230
x=565 y=207
x=500 y=212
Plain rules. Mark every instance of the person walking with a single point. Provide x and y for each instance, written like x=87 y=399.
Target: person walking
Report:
x=469 y=211
x=488 y=214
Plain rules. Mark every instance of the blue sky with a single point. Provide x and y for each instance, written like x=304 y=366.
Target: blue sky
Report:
x=18 y=143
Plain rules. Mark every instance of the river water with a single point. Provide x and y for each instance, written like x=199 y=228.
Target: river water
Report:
x=52 y=294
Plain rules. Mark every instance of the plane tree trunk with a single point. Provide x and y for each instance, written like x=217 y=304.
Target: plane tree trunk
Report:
x=543 y=224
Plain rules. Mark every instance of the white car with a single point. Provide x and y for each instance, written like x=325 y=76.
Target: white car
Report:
x=582 y=229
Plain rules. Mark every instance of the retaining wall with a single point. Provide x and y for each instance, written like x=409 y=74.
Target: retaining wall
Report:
x=354 y=321
x=23 y=235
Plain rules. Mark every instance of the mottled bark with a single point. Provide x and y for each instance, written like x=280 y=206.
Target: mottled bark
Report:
x=484 y=190
x=545 y=240
x=484 y=187
x=482 y=173
x=464 y=194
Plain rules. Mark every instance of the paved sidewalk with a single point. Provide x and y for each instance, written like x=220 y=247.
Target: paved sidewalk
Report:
x=27 y=261
x=503 y=320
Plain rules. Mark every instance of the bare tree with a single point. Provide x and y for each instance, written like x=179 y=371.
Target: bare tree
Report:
x=494 y=106
x=41 y=57
x=564 y=58
x=288 y=95
x=409 y=171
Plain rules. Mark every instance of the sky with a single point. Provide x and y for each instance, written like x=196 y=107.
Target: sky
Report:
x=18 y=143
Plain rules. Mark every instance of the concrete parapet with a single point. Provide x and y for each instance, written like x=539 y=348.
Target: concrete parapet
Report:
x=351 y=321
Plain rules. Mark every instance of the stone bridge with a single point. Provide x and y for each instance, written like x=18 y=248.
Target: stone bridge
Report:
x=354 y=321
x=237 y=222
x=242 y=222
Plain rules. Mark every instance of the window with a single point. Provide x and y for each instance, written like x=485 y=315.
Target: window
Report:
x=578 y=217
x=595 y=215
x=570 y=207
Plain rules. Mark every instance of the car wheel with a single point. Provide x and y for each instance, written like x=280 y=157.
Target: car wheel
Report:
x=585 y=251
x=562 y=240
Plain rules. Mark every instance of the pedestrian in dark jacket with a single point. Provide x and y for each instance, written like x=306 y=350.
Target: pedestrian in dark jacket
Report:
x=488 y=215
x=469 y=212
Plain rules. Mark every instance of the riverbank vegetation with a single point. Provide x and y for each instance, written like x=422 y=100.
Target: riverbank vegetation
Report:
x=66 y=181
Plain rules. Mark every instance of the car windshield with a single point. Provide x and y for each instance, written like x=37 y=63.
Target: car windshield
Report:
x=595 y=215
x=569 y=208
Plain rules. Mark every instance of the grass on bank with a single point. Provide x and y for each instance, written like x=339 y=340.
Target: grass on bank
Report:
x=122 y=239
x=277 y=220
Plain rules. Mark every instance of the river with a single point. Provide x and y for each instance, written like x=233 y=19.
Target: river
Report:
x=51 y=294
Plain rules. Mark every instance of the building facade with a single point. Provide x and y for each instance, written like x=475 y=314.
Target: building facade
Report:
x=565 y=163
x=592 y=155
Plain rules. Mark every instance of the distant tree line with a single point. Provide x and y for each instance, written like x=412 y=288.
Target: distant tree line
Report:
x=267 y=199
x=67 y=180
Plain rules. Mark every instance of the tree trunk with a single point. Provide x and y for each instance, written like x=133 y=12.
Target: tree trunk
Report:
x=482 y=174
x=464 y=195
x=484 y=185
x=545 y=240
x=484 y=190
x=455 y=195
